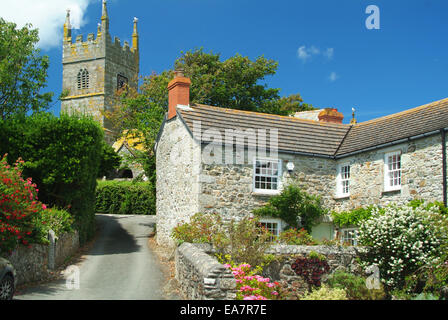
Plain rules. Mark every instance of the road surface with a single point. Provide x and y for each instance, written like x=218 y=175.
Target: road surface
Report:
x=119 y=266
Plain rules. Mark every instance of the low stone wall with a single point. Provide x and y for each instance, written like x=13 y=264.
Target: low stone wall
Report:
x=202 y=277
x=32 y=264
x=338 y=258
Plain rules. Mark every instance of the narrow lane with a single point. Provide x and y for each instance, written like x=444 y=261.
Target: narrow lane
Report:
x=119 y=266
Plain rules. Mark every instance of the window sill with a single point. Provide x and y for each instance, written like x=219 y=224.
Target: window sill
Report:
x=341 y=196
x=265 y=193
x=397 y=190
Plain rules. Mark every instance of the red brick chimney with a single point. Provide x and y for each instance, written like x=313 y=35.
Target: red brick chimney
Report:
x=178 y=93
x=330 y=115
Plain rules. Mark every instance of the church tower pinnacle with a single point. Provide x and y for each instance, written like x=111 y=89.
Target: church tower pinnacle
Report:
x=95 y=68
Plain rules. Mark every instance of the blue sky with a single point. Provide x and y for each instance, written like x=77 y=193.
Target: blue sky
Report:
x=324 y=50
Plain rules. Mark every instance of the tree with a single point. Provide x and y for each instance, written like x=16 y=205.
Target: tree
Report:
x=110 y=160
x=23 y=71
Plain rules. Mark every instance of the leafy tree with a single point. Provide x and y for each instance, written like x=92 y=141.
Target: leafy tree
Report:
x=110 y=160
x=23 y=71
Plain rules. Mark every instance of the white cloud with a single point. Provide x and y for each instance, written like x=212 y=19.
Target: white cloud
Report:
x=46 y=15
x=333 y=76
x=329 y=53
x=304 y=53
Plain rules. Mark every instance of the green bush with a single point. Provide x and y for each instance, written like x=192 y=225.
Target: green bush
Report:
x=294 y=206
x=353 y=217
x=241 y=241
x=296 y=237
x=62 y=155
x=354 y=286
x=60 y=221
x=326 y=293
x=125 y=197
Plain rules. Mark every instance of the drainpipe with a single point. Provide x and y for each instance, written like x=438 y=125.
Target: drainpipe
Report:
x=442 y=132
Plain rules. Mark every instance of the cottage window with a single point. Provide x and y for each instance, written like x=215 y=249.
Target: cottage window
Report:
x=348 y=236
x=272 y=225
x=392 y=171
x=343 y=180
x=83 y=79
x=267 y=175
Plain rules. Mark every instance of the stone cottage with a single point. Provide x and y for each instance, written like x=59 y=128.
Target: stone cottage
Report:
x=213 y=159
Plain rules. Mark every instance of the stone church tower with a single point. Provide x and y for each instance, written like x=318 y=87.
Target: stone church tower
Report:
x=95 y=69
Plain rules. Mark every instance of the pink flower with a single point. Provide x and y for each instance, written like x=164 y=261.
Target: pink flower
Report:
x=44 y=206
x=227 y=265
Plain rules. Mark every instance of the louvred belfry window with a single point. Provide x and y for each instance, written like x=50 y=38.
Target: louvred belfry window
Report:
x=83 y=79
x=121 y=81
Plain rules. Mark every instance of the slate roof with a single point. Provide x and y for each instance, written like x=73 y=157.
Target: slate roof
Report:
x=321 y=138
x=409 y=123
x=297 y=135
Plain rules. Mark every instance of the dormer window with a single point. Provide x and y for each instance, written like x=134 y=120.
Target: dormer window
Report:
x=83 y=79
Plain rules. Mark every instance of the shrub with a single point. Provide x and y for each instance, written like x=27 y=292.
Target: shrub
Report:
x=250 y=285
x=243 y=241
x=354 y=286
x=311 y=268
x=296 y=237
x=110 y=160
x=326 y=293
x=60 y=221
x=202 y=228
x=353 y=217
x=246 y=242
x=62 y=154
x=400 y=240
x=125 y=197
x=295 y=207
x=18 y=207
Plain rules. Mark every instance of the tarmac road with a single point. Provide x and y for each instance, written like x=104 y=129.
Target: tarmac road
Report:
x=119 y=266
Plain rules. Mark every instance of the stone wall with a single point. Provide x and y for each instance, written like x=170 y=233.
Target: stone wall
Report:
x=177 y=179
x=202 y=277
x=32 y=264
x=227 y=188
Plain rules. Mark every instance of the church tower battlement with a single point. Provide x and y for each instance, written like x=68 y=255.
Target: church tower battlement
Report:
x=93 y=70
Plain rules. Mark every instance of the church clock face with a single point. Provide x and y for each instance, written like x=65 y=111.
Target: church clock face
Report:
x=121 y=81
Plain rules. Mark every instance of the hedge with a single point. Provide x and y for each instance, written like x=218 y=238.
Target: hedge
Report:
x=125 y=197
x=62 y=155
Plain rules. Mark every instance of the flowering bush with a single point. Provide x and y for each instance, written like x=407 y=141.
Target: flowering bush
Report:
x=311 y=268
x=400 y=240
x=252 y=286
x=18 y=206
x=326 y=293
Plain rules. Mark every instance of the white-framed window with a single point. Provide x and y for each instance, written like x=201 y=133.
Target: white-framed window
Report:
x=349 y=236
x=392 y=171
x=273 y=225
x=267 y=175
x=343 y=180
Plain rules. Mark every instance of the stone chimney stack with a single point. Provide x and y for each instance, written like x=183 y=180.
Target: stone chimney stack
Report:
x=178 y=93
x=330 y=115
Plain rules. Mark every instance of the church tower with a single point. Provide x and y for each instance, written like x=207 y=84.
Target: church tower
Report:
x=95 y=69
